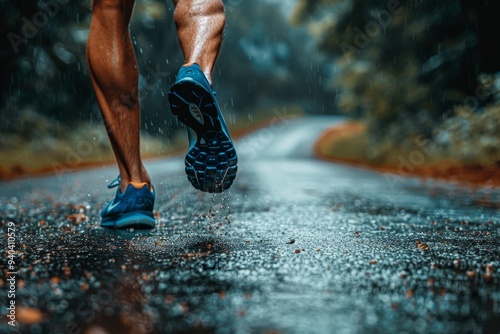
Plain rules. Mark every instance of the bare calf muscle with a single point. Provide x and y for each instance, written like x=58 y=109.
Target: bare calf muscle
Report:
x=114 y=75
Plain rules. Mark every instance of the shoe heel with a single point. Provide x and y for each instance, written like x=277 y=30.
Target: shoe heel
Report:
x=186 y=96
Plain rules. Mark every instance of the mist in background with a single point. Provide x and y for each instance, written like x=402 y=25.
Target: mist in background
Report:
x=415 y=72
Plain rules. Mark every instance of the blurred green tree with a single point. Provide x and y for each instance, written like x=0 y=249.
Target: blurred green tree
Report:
x=404 y=65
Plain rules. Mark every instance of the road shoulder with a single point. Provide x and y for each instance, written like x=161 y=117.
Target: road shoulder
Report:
x=348 y=143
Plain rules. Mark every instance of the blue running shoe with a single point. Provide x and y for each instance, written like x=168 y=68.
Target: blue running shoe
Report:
x=133 y=208
x=211 y=160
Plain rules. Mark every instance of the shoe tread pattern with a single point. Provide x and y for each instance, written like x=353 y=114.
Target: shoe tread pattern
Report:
x=211 y=163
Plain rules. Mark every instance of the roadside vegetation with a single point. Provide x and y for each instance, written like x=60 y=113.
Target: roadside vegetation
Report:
x=417 y=75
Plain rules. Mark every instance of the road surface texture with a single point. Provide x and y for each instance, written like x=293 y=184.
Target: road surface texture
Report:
x=298 y=245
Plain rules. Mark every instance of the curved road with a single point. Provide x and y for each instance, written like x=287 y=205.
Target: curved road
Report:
x=297 y=246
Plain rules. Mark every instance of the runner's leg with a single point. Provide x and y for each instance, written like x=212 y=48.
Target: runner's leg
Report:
x=113 y=70
x=200 y=25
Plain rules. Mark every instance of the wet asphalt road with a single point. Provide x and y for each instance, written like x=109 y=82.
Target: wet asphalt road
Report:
x=297 y=246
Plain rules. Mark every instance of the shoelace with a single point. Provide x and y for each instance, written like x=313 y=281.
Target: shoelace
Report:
x=115 y=183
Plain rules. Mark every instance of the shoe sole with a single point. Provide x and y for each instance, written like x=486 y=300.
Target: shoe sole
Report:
x=211 y=163
x=137 y=220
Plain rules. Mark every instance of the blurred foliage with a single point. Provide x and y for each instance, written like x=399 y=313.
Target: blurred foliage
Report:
x=407 y=66
x=472 y=137
x=43 y=60
x=263 y=63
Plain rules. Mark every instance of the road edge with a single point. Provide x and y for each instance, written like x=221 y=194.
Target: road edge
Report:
x=476 y=176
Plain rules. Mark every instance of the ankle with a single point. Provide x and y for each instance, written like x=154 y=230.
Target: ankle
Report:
x=137 y=182
x=139 y=185
x=136 y=185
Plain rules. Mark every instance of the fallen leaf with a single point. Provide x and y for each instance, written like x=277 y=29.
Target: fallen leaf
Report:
x=29 y=315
